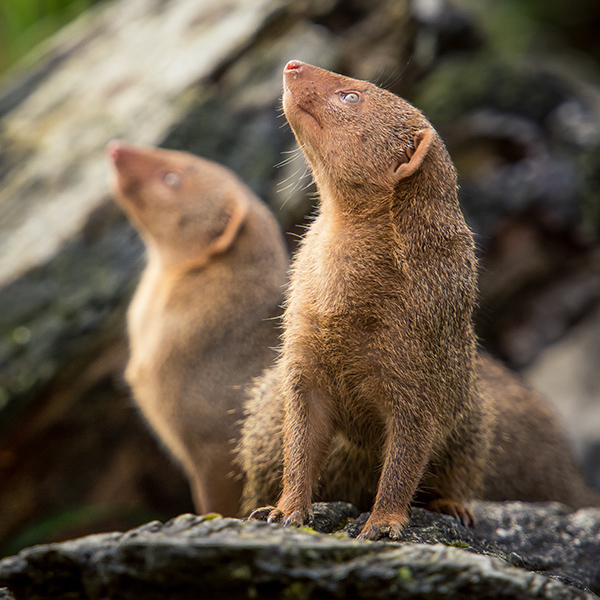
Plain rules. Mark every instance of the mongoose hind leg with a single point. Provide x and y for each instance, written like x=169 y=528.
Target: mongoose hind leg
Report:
x=455 y=509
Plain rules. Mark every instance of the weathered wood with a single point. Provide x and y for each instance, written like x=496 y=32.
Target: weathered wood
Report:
x=127 y=69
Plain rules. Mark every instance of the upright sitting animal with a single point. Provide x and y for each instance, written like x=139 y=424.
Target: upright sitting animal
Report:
x=378 y=336
x=379 y=395
x=203 y=321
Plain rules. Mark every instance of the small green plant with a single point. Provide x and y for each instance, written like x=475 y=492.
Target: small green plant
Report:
x=459 y=544
x=211 y=516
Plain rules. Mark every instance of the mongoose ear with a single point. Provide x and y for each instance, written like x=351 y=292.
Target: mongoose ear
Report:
x=224 y=240
x=410 y=160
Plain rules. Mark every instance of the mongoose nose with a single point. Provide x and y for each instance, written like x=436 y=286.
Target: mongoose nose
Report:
x=114 y=148
x=293 y=65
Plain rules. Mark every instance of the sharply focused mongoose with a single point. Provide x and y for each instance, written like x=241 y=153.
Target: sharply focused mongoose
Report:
x=386 y=399
x=378 y=338
x=203 y=321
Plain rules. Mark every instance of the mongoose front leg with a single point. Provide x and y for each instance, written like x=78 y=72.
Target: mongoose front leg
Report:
x=407 y=451
x=307 y=436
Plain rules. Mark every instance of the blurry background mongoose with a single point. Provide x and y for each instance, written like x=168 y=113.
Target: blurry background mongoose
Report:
x=203 y=321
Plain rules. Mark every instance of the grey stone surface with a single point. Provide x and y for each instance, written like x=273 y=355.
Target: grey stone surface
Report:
x=209 y=556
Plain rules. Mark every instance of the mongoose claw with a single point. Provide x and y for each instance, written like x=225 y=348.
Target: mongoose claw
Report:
x=455 y=509
x=262 y=514
x=275 y=516
x=466 y=517
x=299 y=518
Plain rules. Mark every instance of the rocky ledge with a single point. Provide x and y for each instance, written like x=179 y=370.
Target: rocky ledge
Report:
x=517 y=550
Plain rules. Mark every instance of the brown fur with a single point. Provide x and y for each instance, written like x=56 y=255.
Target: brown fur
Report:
x=350 y=473
x=202 y=321
x=530 y=459
x=378 y=338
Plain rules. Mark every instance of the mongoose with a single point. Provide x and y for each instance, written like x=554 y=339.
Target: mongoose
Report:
x=202 y=323
x=529 y=459
x=378 y=338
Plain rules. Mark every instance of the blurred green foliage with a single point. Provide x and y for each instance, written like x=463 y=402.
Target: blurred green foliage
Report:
x=78 y=520
x=514 y=27
x=25 y=23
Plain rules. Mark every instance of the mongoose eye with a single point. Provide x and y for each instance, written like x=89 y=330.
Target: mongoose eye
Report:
x=350 y=97
x=172 y=179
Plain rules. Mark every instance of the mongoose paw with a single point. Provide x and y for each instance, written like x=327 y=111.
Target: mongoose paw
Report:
x=455 y=509
x=376 y=529
x=274 y=515
x=262 y=514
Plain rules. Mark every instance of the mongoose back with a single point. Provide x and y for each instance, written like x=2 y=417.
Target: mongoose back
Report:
x=530 y=458
x=378 y=338
x=202 y=322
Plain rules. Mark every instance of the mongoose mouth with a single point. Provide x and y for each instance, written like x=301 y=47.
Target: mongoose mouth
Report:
x=296 y=104
x=124 y=181
x=310 y=115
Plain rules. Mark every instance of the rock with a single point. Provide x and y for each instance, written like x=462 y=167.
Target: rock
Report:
x=546 y=538
x=213 y=557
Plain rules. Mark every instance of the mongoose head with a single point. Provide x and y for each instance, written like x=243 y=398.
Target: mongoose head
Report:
x=187 y=209
x=355 y=135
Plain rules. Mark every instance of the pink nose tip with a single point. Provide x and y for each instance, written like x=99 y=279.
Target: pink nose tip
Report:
x=293 y=65
x=114 y=149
